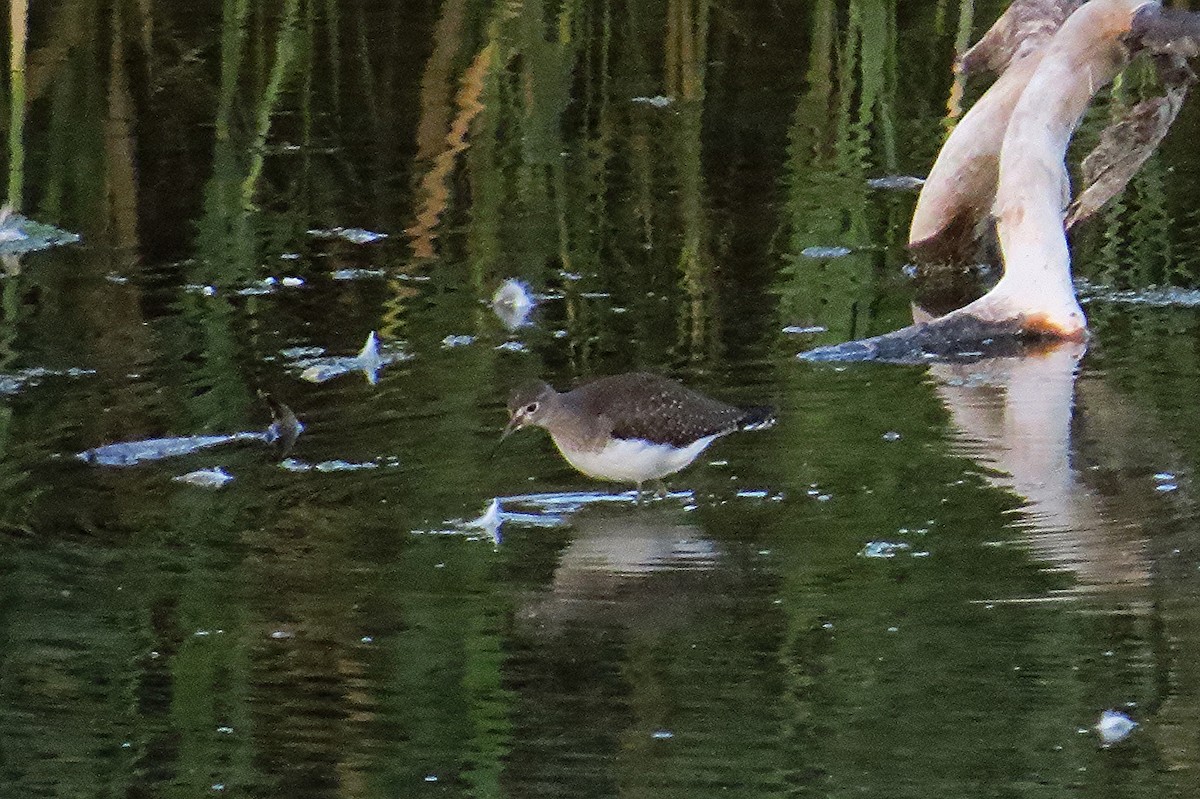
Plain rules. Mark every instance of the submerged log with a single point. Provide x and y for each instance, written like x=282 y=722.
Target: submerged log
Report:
x=1004 y=165
x=950 y=338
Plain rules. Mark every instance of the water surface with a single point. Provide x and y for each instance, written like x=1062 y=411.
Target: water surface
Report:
x=924 y=581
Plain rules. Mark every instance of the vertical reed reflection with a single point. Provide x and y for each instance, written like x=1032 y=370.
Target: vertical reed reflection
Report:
x=18 y=27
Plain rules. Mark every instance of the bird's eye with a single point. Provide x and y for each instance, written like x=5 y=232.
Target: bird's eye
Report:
x=531 y=408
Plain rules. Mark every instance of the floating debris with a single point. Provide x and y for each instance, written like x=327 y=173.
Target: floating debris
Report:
x=353 y=235
x=268 y=285
x=1114 y=727
x=10 y=228
x=799 y=330
x=566 y=503
x=1165 y=482
x=449 y=342
x=896 y=183
x=215 y=477
x=1153 y=296
x=657 y=101
x=20 y=234
x=369 y=360
x=513 y=303
x=356 y=274
x=335 y=465
x=339 y=465
x=490 y=522
x=131 y=453
x=16 y=381
x=205 y=291
x=825 y=252
x=883 y=549
x=283 y=431
x=264 y=286
x=296 y=353
x=512 y=346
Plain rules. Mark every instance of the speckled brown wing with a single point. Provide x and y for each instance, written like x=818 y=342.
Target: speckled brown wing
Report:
x=656 y=409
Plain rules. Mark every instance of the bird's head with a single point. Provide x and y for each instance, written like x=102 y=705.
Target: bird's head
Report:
x=527 y=406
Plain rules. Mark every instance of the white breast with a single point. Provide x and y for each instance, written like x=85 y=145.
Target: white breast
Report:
x=633 y=460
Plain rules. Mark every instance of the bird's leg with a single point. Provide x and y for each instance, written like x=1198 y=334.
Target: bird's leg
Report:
x=660 y=490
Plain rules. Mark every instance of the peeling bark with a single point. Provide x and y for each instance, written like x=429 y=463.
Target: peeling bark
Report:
x=1025 y=21
x=1126 y=145
x=1167 y=30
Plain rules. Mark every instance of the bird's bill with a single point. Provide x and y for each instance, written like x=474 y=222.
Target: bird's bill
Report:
x=514 y=424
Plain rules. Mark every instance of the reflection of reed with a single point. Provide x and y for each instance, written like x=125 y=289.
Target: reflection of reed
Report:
x=686 y=48
x=1132 y=232
x=119 y=144
x=696 y=262
x=962 y=40
x=18 y=30
x=233 y=35
x=436 y=80
x=844 y=118
x=333 y=26
x=285 y=54
x=685 y=56
x=435 y=186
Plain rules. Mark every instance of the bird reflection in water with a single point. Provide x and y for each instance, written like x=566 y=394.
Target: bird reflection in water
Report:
x=643 y=569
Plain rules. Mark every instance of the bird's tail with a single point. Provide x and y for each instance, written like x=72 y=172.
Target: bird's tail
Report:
x=757 y=418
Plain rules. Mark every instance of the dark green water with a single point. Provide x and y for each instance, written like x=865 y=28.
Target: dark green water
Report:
x=341 y=632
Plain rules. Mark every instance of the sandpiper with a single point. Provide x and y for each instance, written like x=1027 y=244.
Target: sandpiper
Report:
x=629 y=428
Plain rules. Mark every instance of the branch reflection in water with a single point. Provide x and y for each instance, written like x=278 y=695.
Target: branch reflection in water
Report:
x=1014 y=415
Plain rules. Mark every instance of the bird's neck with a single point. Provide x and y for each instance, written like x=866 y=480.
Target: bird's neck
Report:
x=571 y=428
